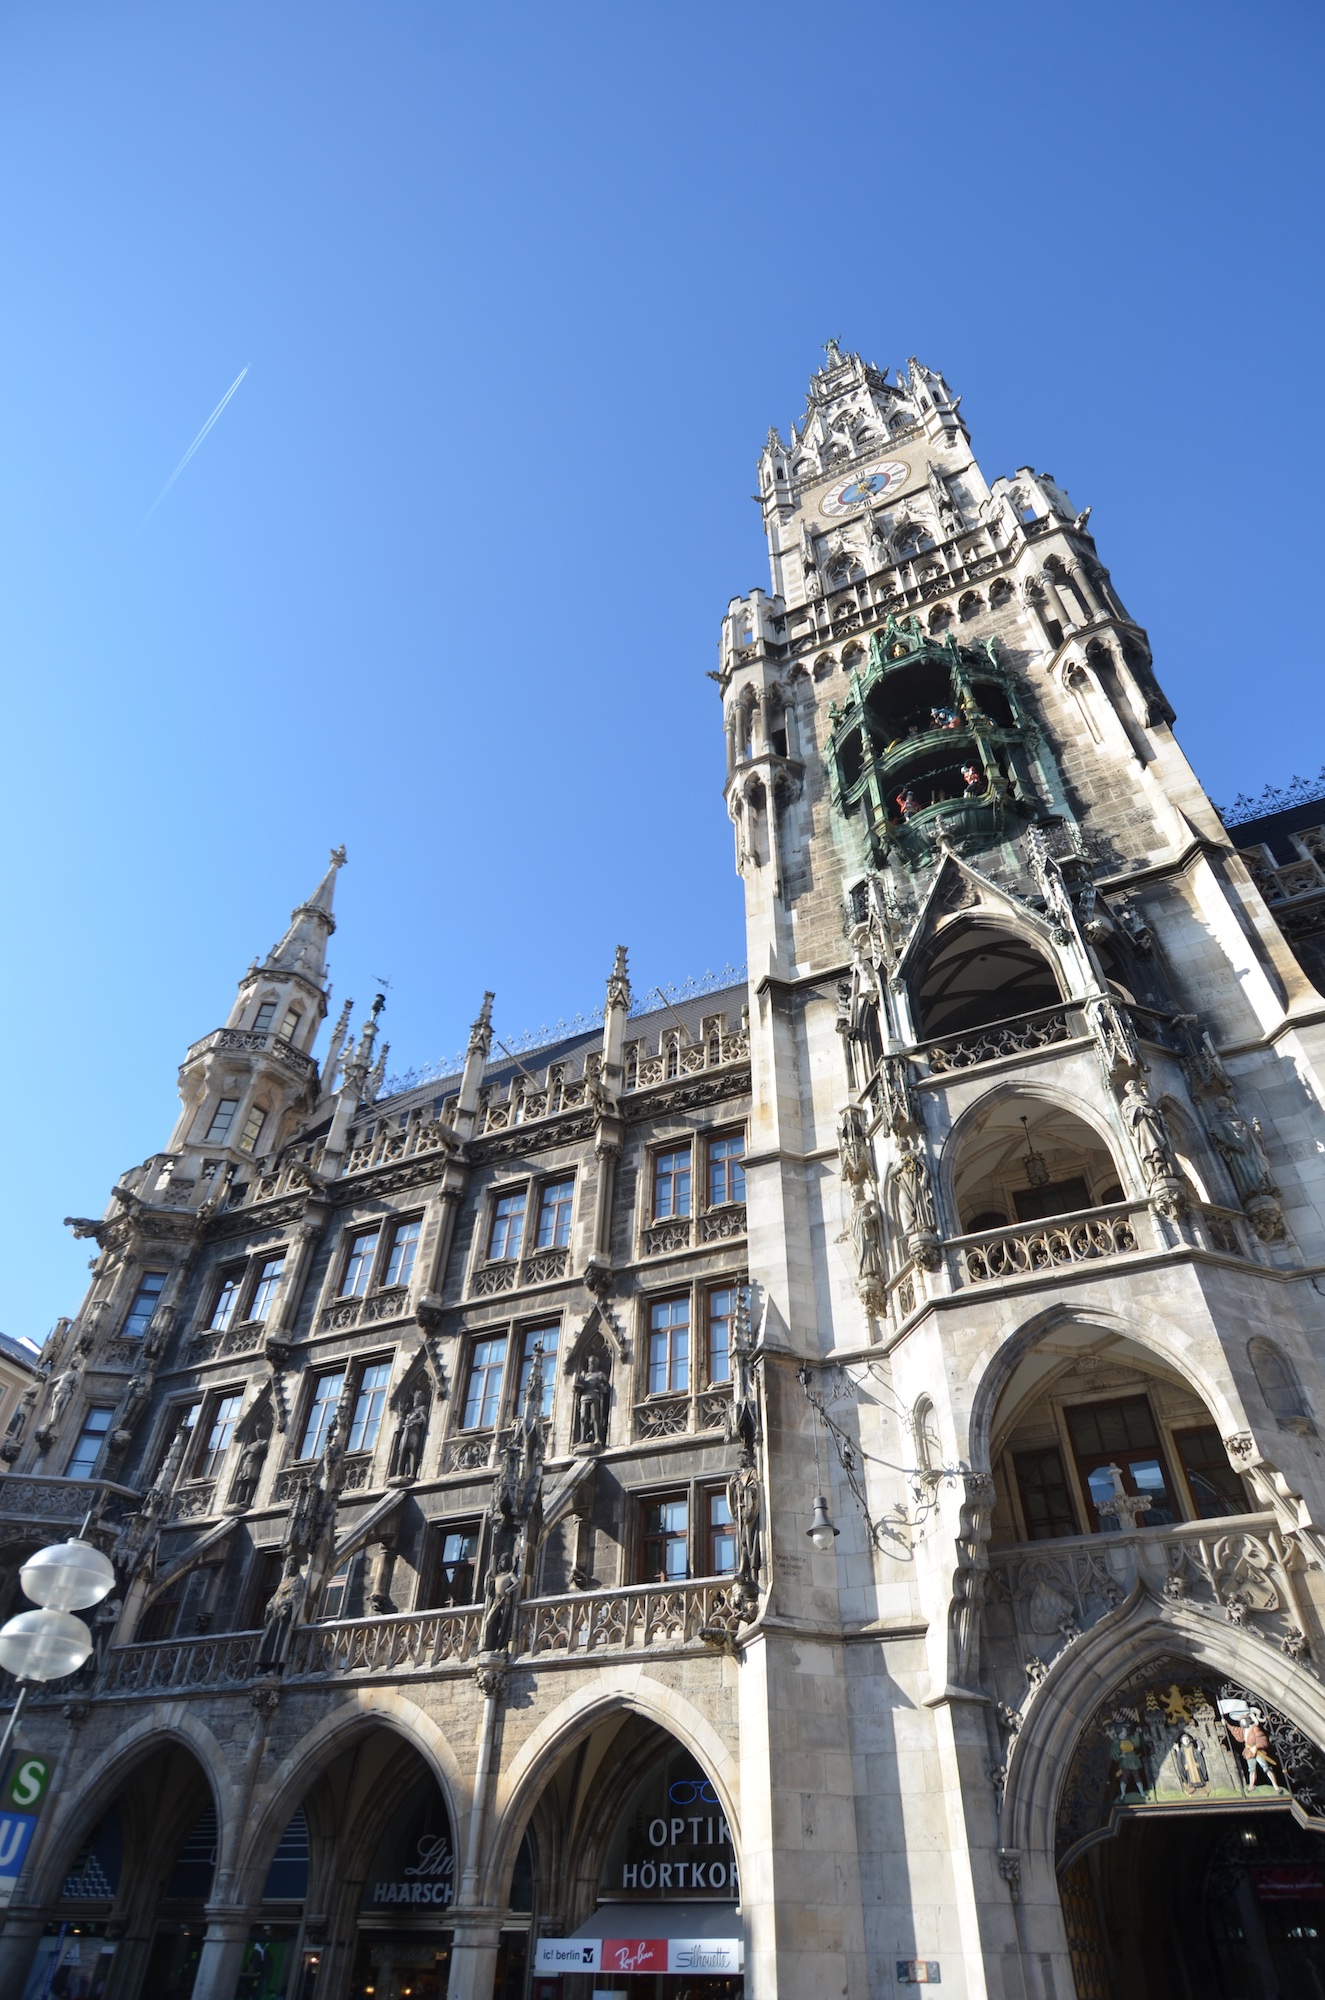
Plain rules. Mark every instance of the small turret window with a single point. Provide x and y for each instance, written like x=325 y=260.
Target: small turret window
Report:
x=264 y=1017
x=290 y=1025
x=222 y=1119
x=139 y=1317
x=253 y=1125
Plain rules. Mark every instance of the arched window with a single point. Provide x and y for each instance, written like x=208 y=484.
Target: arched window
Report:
x=976 y=974
x=1277 y=1380
x=924 y=1430
x=1025 y=1161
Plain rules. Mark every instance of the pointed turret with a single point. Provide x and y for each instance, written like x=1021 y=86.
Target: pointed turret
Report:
x=245 y=1086
x=303 y=949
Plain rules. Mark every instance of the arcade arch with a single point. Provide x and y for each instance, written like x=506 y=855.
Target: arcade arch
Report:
x=628 y=1834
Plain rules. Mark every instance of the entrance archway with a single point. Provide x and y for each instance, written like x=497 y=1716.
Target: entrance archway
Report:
x=1190 y=1844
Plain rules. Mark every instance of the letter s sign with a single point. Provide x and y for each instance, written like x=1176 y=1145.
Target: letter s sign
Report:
x=28 y=1783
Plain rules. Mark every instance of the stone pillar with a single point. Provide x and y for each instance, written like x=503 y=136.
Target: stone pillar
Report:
x=222 y=1954
x=18 y=1942
x=473 y=1954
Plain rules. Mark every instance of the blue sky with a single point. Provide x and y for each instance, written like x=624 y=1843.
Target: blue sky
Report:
x=520 y=290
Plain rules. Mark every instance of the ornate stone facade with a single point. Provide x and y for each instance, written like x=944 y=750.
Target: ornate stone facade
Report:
x=459 y=1441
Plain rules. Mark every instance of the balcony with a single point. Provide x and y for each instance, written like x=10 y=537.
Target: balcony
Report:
x=246 y=1042
x=391 y=1303
x=513 y=1274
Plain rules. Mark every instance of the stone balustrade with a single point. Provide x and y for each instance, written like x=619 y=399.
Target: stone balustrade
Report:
x=1046 y=1594
x=34 y=1497
x=1015 y=1036
x=246 y=1041
x=573 y=1625
x=1031 y=1248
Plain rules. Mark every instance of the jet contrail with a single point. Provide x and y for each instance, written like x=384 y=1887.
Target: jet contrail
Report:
x=194 y=446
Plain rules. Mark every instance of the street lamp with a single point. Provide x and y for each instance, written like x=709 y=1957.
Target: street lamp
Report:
x=47 y=1644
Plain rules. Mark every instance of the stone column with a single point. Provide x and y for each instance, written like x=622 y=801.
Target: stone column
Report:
x=22 y=1932
x=223 y=1953
x=473 y=1954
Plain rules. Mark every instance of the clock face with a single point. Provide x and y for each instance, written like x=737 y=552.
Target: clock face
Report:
x=863 y=486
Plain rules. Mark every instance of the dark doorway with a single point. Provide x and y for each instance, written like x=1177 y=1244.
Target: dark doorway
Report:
x=1200 y=1906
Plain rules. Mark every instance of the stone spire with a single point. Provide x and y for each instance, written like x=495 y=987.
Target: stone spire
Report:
x=303 y=949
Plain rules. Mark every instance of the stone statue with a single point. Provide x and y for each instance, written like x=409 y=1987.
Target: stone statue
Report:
x=136 y=1396
x=853 y=1149
x=1239 y=1147
x=245 y=1484
x=592 y=1388
x=1145 y=1122
x=62 y=1388
x=916 y=1193
x=18 y=1423
x=411 y=1431
x=744 y=1504
x=281 y=1613
x=867 y=1235
x=498 y=1607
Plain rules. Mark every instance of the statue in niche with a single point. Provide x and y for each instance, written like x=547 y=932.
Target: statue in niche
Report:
x=853 y=1149
x=592 y=1391
x=18 y=1423
x=916 y=1192
x=1118 y=1047
x=136 y=1396
x=498 y=1606
x=62 y=1389
x=744 y=1503
x=245 y=1483
x=1145 y=1122
x=867 y=1235
x=1239 y=1147
x=411 y=1435
x=282 y=1611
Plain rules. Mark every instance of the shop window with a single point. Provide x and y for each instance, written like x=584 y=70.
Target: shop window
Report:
x=145 y=1301
x=457 y=1566
x=547 y=1337
x=1121 y=1434
x=1046 y=1503
x=507 y=1227
x=486 y=1369
x=191 y=1877
x=1213 y=1484
x=720 y=1553
x=326 y=1395
x=721 y=1320
x=671 y=1184
x=727 y=1169
x=404 y=1249
x=554 y=1215
x=669 y=1347
x=665 y=1539
x=359 y=1265
x=90 y=1440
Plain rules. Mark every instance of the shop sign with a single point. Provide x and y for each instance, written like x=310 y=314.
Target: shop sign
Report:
x=428 y=1881
x=673 y=1838
x=703 y=1957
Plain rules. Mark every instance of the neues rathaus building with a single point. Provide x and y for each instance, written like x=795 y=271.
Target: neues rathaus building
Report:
x=805 y=1486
